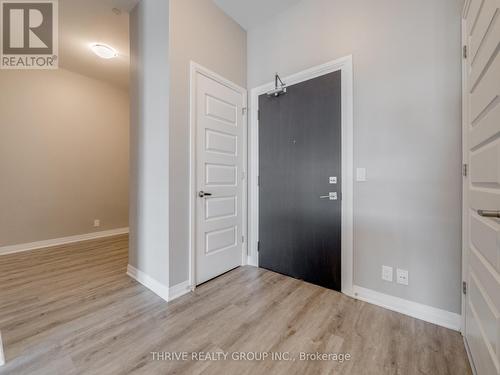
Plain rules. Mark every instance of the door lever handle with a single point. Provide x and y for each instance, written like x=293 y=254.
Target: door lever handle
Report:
x=331 y=196
x=489 y=213
x=202 y=194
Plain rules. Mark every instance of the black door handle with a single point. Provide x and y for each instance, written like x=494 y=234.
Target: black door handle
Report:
x=202 y=194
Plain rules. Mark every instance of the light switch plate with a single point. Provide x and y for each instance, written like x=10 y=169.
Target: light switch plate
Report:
x=360 y=174
x=402 y=276
x=387 y=273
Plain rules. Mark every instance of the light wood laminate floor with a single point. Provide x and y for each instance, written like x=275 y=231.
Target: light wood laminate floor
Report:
x=73 y=310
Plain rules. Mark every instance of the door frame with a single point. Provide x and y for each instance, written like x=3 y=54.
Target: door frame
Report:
x=465 y=162
x=195 y=68
x=343 y=64
x=465 y=181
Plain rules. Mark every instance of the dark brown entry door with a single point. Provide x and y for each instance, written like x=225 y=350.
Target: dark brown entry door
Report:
x=299 y=181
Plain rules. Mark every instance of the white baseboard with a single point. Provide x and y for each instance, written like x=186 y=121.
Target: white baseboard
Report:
x=60 y=241
x=179 y=290
x=161 y=290
x=348 y=292
x=155 y=286
x=416 y=310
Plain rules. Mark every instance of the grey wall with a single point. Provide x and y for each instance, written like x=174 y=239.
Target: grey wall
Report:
x=149 y=139
x=201 y=32
x=407 y=128
x=63 y=155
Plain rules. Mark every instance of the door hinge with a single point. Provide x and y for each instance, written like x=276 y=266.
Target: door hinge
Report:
x=258 y=246
x=258 y=115
x=244 y=111
x=465 y=52
x=242 y=238
x=258 y=180
x=465 y=170
x=464 y=287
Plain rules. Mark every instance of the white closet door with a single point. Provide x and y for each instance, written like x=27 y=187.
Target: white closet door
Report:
x=482 y=188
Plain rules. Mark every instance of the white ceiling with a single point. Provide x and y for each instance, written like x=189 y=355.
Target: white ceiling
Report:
x=83 y=22
x=250 y=13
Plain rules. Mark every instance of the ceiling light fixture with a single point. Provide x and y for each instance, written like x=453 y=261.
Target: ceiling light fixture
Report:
x=104 y=51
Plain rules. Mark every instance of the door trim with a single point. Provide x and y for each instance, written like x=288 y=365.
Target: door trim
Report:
x=343 y=64
x=195 y=68
x=465 y=161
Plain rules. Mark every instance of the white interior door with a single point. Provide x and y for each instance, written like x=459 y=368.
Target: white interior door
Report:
x=219 y=177
x=482 y=185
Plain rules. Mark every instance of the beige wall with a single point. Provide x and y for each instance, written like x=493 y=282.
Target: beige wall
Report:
x=201 y=32
x=63 y=155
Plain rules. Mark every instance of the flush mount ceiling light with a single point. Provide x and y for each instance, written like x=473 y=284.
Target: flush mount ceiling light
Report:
x=104 y=51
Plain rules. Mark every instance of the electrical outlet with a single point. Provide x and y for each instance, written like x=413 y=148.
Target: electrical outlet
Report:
x=402 y=276
x=97 y=223
x=387 y=273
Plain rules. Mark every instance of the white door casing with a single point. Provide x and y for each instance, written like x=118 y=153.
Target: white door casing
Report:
x=481 y=142
x=219 y=126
